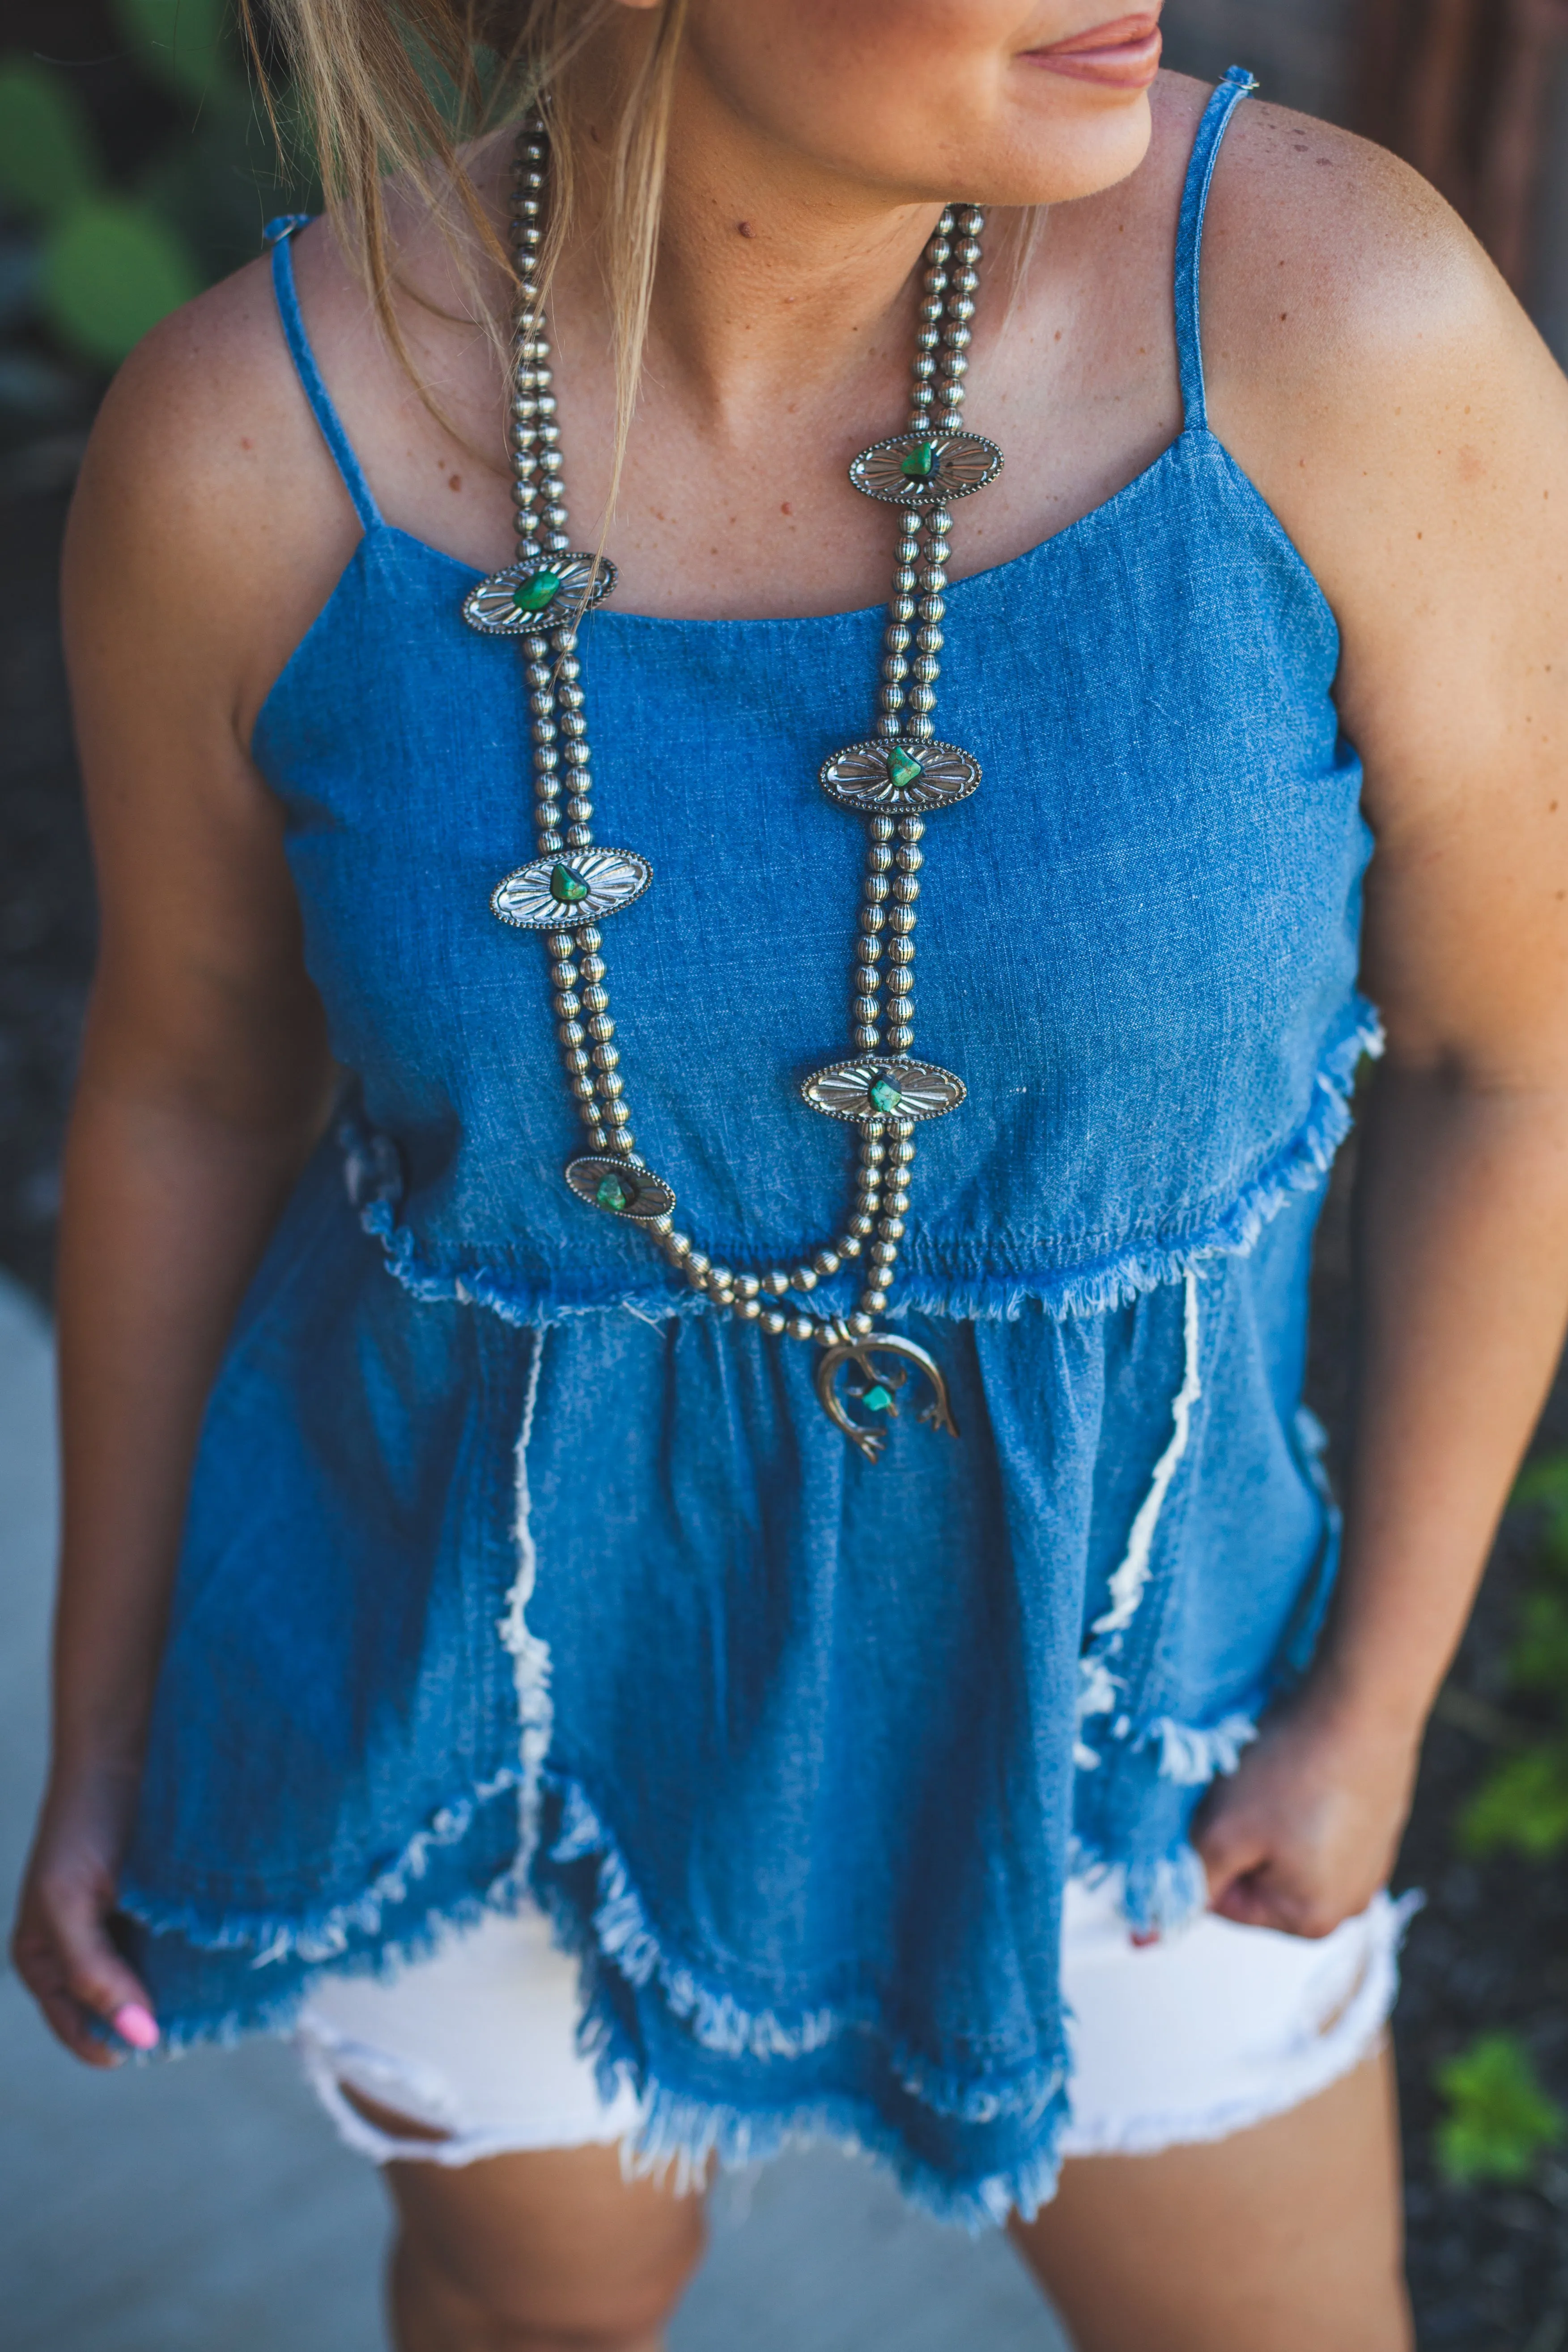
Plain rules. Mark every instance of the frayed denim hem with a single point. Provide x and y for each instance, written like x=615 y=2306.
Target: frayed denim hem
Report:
x=265 y=2011
x=320 y=1937
x=681 y=2137
x=680 y=2134
x=1157 y=1895
x=1096 y=1287
x=617 y=1932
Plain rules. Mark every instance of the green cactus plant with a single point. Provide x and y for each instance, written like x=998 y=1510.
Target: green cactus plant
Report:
x=48 y=155
x=1499 y=2121
x=112 y=269
x=110 y=266
x=1522 y=1804
x=113 y=260
x=187 y=44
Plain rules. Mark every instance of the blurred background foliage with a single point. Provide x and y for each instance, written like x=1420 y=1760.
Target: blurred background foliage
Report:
x=1496 y=2121
x=1499 y=2121
x=113 y=214
x=1521 y=1805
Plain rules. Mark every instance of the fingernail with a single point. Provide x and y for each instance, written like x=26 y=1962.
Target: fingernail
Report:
x=136 y=2026
x=1141 y=1937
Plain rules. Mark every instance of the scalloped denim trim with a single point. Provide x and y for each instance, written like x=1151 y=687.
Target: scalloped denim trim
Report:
x=677 y=2134
x=277 y=2012
x=619 y=1932
x=681 y=2136
x=323 y=1935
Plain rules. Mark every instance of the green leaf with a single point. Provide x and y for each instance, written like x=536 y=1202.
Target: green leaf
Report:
x=1522 y=1804
x=1545 y=1481
x=1538 y=1658
x=110 y=270
x=184 y=44
x=1499 y=2118
x=48 y=155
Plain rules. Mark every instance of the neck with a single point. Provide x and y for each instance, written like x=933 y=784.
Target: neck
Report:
x=773 y=276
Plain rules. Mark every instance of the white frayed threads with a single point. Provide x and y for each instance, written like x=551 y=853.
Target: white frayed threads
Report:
x=1098 y=1685
x=625 y=1936
x=529 y=1655
x=327 y=1937
x=1191 y=1757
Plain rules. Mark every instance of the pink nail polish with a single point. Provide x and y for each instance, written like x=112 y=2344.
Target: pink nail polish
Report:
x=1141 y=1937
x=136 y=2026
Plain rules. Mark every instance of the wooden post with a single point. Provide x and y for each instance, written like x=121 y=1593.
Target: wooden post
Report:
x=1458 y=89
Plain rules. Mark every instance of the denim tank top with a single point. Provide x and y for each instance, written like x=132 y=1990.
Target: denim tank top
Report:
x=511 y=1572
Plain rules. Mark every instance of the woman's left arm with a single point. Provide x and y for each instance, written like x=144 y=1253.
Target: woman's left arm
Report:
x=1414 y=439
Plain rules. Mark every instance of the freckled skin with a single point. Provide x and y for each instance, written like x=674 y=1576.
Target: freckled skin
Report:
x=1382 y=391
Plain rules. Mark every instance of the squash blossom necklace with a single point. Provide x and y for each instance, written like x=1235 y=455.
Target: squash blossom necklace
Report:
x=894 y=781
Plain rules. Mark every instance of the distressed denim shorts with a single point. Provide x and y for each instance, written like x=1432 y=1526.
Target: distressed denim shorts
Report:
x=1190 y=2038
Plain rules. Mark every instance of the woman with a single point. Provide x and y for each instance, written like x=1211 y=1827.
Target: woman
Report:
x=536 y=1554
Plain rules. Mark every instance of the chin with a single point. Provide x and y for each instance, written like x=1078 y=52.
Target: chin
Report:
x=1068 y=144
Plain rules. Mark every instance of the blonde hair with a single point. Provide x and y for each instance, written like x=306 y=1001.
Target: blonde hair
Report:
x=394 y=88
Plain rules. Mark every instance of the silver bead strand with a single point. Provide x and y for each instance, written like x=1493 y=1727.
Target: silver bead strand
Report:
x=597 y=1084
x=555 y=697
x=563 y=806
x=953 y=355
x=892 y=883
x=530 y=381
x=530 y=388
x=928 y=334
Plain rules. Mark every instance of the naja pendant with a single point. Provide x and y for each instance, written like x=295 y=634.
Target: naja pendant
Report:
x=879 y=1392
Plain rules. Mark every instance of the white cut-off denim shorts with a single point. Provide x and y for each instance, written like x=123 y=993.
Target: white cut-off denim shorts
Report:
x=1188 y=2039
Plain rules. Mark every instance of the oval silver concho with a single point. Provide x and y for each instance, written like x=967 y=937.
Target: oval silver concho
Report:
x=619 y=1188
x=580 y=886
x=952 y=466
x=896 y=776
x=875 y=1088
x=527 y=597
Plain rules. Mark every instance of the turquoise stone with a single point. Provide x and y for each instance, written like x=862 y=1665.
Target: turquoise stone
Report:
x=903 y=770
x=532 y=594
x=919 y=464
x=877 y=1400
x=884 y=1094
x=615 y=1193
x=566 y=888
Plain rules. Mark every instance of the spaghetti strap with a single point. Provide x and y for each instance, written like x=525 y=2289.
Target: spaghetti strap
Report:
x=1238 y=84
x=278 y=234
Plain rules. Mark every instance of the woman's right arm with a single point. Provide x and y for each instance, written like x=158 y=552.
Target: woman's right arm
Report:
x=193 y=562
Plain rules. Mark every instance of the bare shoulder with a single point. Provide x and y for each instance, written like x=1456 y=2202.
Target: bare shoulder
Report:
x=1380 y=385
x=1323 y=253
x=207 y=492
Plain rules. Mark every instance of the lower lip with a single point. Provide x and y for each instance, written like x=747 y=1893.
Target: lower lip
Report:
x=1125 y=64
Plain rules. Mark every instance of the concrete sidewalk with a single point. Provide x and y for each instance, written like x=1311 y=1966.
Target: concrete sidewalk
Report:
x=206 y=2207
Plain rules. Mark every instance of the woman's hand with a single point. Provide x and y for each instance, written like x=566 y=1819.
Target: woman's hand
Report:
x=1305 y=1832
x=60 y=1945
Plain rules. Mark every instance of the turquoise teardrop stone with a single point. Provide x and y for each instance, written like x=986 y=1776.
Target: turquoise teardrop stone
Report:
x=566 y=887
x=532 y=594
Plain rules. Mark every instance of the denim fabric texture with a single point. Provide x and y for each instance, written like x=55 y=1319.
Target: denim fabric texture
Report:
x=508 y=1567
